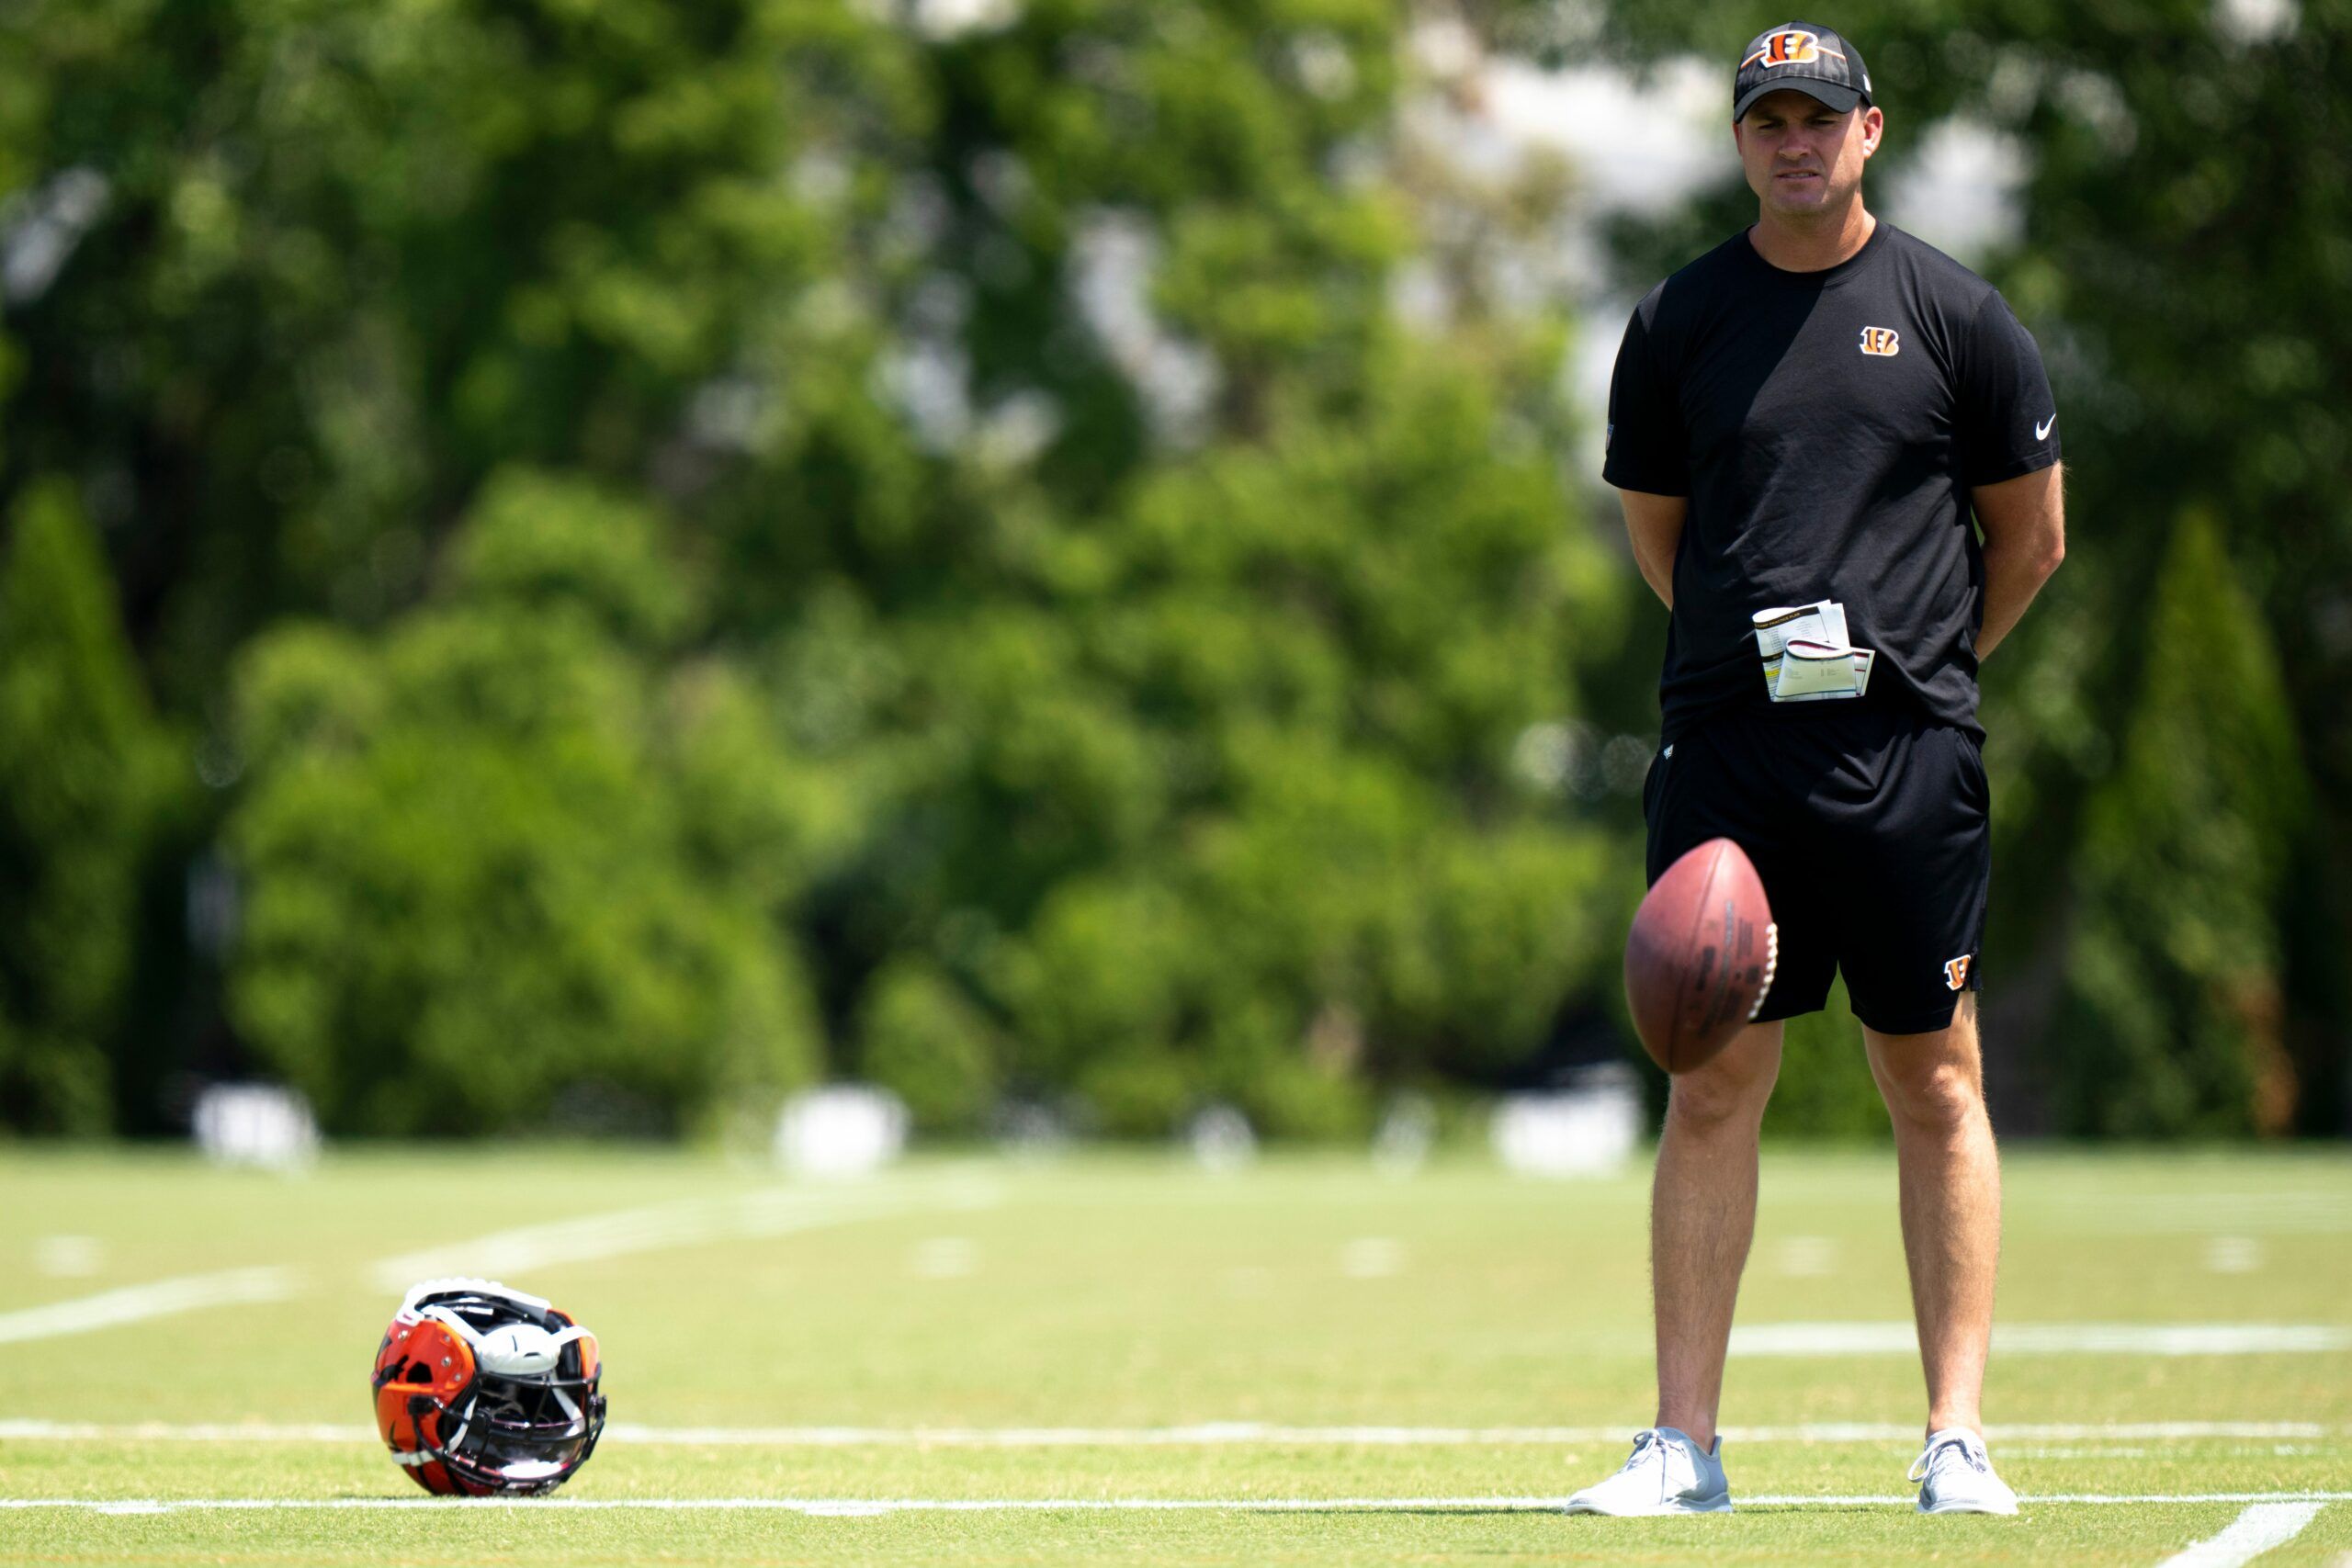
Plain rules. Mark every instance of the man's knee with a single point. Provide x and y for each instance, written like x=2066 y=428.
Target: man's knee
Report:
x=1731 y=1087
x=1931 y=1080
x=1941 y=1095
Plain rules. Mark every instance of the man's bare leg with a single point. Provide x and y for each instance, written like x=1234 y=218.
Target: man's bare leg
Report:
x=1934 y=1088
x=1703 y=1216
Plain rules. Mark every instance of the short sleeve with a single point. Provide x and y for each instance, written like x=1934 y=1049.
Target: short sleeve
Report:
x=1645 y=449
x=2008 y=421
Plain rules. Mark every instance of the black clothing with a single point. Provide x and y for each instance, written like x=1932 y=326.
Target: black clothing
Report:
x=1827 y=426
x=1870 y=828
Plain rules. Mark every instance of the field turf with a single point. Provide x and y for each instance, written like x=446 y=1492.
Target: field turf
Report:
x=1111 y=1358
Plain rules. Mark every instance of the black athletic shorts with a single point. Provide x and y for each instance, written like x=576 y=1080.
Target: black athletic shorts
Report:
x=1870 y=828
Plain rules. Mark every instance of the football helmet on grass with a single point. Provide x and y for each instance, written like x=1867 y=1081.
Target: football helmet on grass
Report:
x=484 y=1391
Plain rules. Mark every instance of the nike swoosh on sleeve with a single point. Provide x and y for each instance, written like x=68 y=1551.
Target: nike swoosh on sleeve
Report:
x=2041 y=432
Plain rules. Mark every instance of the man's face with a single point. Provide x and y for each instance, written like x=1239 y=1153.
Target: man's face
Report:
x=1802 y=156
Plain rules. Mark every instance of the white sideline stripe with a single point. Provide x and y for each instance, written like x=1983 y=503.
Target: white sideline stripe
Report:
x=1208 y=1435
x=1900 y=1338
x=134 y=1303
x=867 y=1507
x=2256 y=1532
x=776 y=1211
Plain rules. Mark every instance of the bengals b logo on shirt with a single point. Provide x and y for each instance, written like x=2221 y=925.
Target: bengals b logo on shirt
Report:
x=1956 y=972
x=1883 y=342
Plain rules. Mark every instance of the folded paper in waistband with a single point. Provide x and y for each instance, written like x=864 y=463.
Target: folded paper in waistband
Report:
x=1824 y=620
x=1814 y=672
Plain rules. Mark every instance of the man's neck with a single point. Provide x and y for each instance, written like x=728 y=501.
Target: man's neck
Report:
x=1813 y=246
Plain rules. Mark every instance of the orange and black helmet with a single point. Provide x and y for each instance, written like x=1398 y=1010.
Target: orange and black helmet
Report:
x=482 y=1390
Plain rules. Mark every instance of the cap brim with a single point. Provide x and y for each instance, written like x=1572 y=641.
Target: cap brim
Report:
x=1837 y=94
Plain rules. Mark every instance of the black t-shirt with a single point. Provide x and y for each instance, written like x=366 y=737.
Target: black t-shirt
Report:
x=1827 y=427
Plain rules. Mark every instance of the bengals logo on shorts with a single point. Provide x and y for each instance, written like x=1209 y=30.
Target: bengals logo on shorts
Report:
x=1883 y=342
x=1956 y=972
x=1792 y=46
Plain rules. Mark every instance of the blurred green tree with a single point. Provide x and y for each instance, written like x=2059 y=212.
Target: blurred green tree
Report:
x=953 y=495
x=1824 y=1089
x=88 y=777
x=507 y=851
x=1232 y=596
x=306 y=271
x=924 y=1041
x=2175 y=1014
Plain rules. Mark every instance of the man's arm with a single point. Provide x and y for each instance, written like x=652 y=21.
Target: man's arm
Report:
x=1653 y=524
x=2024 y=521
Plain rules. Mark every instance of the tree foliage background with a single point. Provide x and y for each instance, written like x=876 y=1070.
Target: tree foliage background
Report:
x=585 y=564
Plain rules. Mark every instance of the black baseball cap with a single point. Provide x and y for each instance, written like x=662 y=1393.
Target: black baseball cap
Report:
x=1811 y=59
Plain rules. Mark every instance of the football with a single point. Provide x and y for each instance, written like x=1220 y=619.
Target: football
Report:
x=1699 y=958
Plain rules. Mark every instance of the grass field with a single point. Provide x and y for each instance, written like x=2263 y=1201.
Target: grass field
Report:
x=1115 y=1358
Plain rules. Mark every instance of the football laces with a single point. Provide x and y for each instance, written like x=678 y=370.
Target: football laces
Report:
x=1771 y=966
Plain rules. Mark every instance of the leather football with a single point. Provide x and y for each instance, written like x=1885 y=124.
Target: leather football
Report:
x=1699 y=961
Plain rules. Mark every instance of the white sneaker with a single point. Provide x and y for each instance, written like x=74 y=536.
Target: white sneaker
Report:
x=1955 y=1476
x=1667 y=1473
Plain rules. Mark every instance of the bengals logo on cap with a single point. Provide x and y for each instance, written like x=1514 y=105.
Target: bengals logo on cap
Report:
x=1883 y=342
x=1790 y=45
x=1956 y=972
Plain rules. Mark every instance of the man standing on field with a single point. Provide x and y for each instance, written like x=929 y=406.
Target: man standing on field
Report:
x=1801 y=425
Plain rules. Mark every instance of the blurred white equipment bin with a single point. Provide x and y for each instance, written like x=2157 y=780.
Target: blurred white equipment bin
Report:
x=1407 y=1131
x=264 y=1125
x=1589 y=1127
x=845 y=1129
x=1221 y=1139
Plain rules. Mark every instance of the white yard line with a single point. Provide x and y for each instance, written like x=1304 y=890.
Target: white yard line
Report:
x=1251 y=1433
x=776 y=1211
x=1207 y=1435
x=135 y=1303
x=593 y=1237
x=1900 y=1338
x=2256 y=1532
x=857 y=1507
x=187 y=1432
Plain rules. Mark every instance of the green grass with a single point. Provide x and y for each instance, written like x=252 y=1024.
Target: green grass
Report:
x=1131 y=1291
